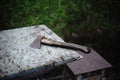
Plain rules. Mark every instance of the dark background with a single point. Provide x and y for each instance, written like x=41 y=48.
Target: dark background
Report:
x=94 y=23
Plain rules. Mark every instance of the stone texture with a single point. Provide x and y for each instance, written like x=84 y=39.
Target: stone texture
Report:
x=16 y=55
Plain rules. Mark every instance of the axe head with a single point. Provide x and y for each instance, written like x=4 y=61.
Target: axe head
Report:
x=37 y=42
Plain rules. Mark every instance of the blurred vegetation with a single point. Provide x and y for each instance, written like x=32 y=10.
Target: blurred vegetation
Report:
x=94 y=23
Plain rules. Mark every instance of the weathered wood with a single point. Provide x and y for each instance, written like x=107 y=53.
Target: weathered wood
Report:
x=64 y=74
x=79 y=77
x=90 y=62
x=16 y=55
x=103 y=74
x=96 y=77
x=55 y=77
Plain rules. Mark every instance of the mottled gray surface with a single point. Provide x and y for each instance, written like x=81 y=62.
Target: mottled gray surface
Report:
x=16 y=55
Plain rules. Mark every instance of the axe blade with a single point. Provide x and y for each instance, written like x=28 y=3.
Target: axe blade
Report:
x=37 y=42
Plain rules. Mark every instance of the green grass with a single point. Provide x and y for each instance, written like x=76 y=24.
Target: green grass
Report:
x=63 y=17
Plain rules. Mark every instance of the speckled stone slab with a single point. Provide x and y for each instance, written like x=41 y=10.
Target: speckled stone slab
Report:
x=16 y=55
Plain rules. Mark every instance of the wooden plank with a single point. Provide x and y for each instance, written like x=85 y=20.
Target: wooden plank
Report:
x=96 y=77
x=55 y=77
x=16 y=55
x=91 y=62
x=103 y=75
x=79 y=77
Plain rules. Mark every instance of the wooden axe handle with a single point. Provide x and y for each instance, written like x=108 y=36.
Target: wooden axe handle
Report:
x=65 y=45
x=41 y=39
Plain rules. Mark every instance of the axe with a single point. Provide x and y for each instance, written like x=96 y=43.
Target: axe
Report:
x=43 y=40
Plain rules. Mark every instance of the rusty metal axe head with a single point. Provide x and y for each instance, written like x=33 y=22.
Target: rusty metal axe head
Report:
x=37 y=42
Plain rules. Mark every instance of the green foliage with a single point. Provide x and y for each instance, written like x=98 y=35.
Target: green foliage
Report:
x=64 y=17
x=34 y=12
x=57 y=14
